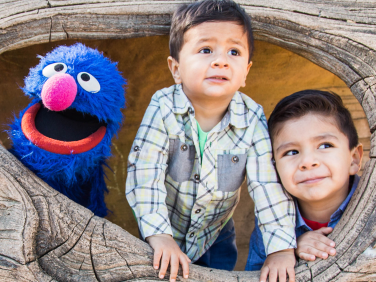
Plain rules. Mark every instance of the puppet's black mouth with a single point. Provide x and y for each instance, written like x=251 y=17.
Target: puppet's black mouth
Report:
x=68 y=125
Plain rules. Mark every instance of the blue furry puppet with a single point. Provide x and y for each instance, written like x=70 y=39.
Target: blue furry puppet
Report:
x=64 y=134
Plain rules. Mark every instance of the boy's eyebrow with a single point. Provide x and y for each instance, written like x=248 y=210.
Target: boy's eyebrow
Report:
x=325 y=136
x=203 y=40
x=238 y=42
x=285 y=145
x=234 y=41
x=316 y=138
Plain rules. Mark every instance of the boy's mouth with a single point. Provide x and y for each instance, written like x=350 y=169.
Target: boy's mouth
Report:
x=220 y=78
x=311 y=180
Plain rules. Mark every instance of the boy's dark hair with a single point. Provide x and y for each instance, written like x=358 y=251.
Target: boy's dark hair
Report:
x=188 y=16
x=313 y=101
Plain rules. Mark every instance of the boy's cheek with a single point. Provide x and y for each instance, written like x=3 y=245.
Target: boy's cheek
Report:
x=283 y=170
x=286 y=175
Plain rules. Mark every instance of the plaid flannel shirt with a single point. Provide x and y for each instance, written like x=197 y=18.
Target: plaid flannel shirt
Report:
x=173 y=191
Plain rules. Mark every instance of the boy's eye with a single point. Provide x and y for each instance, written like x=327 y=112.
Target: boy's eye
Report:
x=233 y=52
x=205 y=51
x=325 y=146
x=291 y=153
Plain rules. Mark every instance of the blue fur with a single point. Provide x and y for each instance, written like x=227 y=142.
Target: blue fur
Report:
x=80 y=177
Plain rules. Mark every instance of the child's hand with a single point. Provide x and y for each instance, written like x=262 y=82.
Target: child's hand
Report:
x=314 y=244
x=277 y=265
x=165 y=248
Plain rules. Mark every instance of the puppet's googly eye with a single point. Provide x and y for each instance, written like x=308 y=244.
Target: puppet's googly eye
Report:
x=88 y=82
x=55 y=68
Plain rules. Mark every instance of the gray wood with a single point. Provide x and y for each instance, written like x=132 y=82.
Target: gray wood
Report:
x=47 y=237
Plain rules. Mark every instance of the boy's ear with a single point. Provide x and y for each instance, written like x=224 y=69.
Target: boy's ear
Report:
x=173 y=65
x=356 y=155
x=249 y=66
x=245 y=76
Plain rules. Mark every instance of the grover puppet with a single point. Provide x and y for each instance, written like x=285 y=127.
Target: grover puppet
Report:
x=64 y=134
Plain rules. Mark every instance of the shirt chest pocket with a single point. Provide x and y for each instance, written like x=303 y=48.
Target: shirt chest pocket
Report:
x=181 y=160
x=231 y=171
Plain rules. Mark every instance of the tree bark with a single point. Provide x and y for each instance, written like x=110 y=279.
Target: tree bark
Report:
x=46 y=237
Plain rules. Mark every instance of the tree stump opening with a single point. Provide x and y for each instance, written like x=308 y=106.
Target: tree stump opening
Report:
x=336 y=36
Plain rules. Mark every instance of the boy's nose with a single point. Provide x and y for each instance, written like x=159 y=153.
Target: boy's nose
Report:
x=308 y=162
x=220 y=61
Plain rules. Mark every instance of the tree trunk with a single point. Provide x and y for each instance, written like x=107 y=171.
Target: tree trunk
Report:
x=47 y=237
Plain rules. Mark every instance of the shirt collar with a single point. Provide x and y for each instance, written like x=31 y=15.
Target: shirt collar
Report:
x=180 y=103
x=344 y=204
x=299 y=219
x=238 y=113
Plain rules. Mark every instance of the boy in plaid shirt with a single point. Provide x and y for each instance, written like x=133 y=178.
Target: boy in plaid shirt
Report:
x=197 y=142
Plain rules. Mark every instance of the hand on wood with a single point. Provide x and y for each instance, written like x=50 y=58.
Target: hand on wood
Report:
x=167 y=252
x=277 y=265
x=314 y=244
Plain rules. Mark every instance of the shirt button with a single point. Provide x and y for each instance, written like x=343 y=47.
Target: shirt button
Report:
x=198 y=211
x=197 y=177
x=191 y=235
x=184 y=147
x=136 y=148
x=190 y=110
x=235 y=159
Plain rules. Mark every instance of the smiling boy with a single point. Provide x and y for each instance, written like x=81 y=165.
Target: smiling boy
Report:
x=317 y=156
x=197 y=142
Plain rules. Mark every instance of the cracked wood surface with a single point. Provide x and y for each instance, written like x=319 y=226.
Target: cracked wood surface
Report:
x=46 y=237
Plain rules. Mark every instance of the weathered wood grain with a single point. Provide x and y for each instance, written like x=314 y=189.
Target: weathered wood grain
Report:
x=46 y=237
x=53 y=238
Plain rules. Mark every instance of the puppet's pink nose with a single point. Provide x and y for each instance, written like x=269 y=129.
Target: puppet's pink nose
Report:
x=59 y=92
